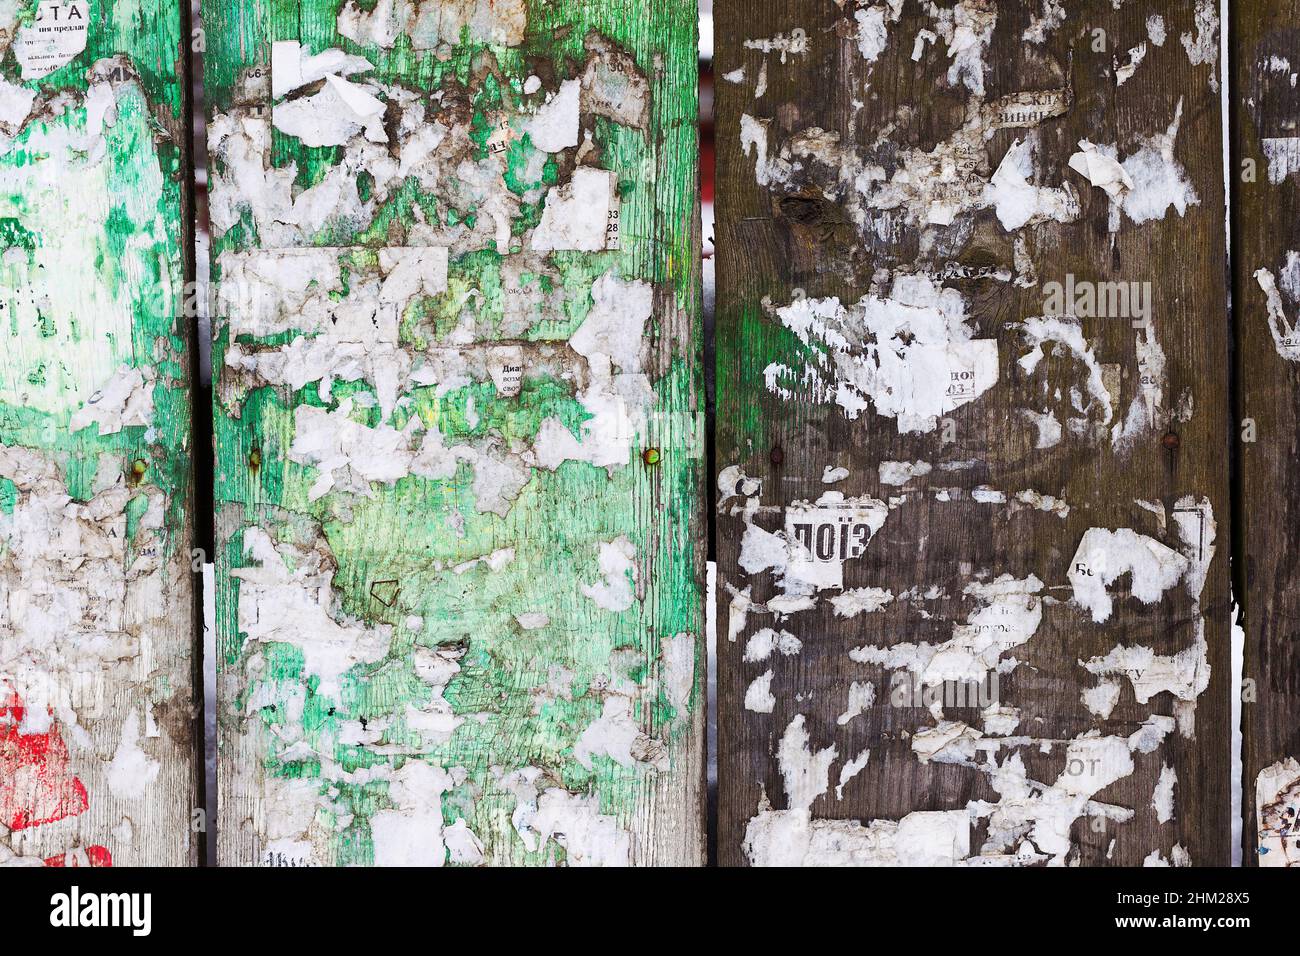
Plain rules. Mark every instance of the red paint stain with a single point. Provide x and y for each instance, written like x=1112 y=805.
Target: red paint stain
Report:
x=36 y=782
x=96 y=856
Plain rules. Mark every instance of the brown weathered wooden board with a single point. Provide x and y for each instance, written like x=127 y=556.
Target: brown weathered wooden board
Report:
x=1266 y=237
x=937 y=468
x=97 y=613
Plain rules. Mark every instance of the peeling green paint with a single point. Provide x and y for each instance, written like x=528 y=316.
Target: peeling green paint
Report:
x=463 y=736
x=95 y=561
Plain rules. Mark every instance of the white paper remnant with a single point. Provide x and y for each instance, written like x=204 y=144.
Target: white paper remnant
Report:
x=1098 y=165
x=1285 y=338
x=555 y=126
x=333 y=116
x=912 y=354
x=293 y=67
x=55 y=39
x=1103 y=556
x=125 y=401
x=1277 y=805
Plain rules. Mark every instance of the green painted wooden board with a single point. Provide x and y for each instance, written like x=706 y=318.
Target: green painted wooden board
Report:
x=458 y=432
x=97 y=618
x=973 y=529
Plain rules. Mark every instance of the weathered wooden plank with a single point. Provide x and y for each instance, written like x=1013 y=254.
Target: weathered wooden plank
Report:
x=942 y=467
x=1266 y=235
x=458 y=456
x=97 y=617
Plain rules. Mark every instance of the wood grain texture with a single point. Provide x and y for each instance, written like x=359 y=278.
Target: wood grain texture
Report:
x=1040 y=488
x=459 y=432
x=97 y=612
x=1266 y=48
